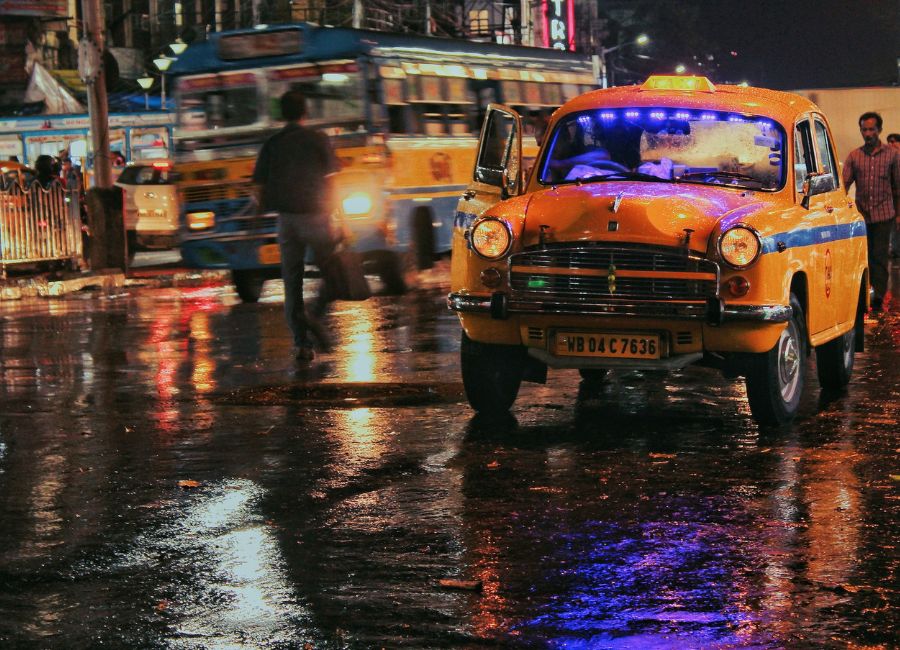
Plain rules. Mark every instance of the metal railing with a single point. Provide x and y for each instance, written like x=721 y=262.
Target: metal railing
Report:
x=39 y=224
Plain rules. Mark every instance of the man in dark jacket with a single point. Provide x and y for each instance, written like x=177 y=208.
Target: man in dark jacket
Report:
x=292 y=172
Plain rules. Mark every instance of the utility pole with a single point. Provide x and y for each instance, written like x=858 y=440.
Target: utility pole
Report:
x=108 y=247
x=90 y=62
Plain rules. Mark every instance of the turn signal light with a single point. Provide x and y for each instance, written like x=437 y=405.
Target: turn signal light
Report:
x=738 y=286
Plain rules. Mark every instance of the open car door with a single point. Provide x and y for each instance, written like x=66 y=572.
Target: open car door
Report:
x=498 y=170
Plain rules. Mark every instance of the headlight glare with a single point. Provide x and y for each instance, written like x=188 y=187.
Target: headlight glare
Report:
x=491 y=238
x=357 y=203
x=739 y=247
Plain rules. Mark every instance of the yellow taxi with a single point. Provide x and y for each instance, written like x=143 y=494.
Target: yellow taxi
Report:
x=673 y=223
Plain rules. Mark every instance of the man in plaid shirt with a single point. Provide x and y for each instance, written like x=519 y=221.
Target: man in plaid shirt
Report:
x=875 y=168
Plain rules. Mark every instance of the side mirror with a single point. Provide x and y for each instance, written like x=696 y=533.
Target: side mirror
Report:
x=804 y=191
x=507 y=185
x=816 y=183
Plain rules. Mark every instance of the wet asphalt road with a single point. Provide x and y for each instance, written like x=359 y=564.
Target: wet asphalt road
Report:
x=168 y=479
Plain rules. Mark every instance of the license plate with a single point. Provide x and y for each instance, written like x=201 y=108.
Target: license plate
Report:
x=269 y=254
x=608 y=344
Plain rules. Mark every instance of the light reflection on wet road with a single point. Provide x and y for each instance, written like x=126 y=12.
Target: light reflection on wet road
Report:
x=168 y=480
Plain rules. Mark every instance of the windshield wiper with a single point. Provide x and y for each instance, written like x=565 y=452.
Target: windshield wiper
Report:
x=623 y=175
x=721 y=174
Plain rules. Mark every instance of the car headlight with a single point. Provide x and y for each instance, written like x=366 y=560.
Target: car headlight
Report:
x=201 y=220
x=357 y=203
x=740 y=246
x=491 y=238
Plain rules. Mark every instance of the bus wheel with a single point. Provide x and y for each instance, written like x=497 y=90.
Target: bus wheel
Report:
x=248 y=283
x=390 y=269
x=422 y=231
x=491 y=374
x=775 y=378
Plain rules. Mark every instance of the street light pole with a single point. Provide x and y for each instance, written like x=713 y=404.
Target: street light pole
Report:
x=145 y=83
x=602 y=66
x=162 y=64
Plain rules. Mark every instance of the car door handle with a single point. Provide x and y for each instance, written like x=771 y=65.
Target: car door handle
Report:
x=468 y=195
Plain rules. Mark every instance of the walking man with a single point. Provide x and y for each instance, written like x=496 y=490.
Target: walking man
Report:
x=875 y=168
x=292 y=173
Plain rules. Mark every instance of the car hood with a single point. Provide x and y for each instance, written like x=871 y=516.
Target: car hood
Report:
x=634 y=212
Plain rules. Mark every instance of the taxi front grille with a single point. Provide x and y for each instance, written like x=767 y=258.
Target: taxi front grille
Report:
x=599 y=272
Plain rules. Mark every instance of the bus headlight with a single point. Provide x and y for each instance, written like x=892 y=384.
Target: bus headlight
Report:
x=201 y=220
x=740 y=247
x=490 y=238
x=357 y=204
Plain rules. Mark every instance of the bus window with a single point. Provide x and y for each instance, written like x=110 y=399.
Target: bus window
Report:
x=333 y=97
x=11 y=146
x=512 y=92
x=149 y=144
x=551 y=94
x=218 y=108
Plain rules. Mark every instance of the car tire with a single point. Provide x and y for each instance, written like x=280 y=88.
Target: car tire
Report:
x=834 y=361
x=593 y=374
x=775 y=379
x=423 y=238
x=248 y=283
x=491 y=374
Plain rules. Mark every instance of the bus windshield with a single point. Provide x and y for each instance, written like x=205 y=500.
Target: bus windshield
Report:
x=333 y=94
x=697 y=146
x=333 y=98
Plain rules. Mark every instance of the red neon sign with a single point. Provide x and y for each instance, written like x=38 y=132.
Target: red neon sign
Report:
x=559 y=24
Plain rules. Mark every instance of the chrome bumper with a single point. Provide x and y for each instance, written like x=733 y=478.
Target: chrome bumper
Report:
x=715 y=312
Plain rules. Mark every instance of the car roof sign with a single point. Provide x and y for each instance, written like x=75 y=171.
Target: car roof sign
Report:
x=678 y=82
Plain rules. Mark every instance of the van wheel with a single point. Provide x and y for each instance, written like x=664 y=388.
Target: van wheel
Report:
x=775 y=379
x=834 y=361
x=248 y=283
x=593 y=374
x=423 y=238
x=491 y=374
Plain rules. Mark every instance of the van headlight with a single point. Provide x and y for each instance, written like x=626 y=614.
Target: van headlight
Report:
x=490 y=238
x=201 y=220
x=740 y=246
x=357 y=204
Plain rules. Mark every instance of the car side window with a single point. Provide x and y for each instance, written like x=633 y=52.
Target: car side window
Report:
x=825 y=154
x=804 y=161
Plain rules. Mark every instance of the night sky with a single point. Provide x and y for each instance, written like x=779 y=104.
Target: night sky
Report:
x=792 y=44
x=784 y=44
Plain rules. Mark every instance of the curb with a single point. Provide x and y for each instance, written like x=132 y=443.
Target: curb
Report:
x=109 y=281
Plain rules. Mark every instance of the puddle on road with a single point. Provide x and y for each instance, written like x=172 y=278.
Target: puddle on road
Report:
x=346 y=395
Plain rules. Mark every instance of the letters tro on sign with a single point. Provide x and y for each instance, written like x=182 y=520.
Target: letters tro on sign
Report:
x=559 y=24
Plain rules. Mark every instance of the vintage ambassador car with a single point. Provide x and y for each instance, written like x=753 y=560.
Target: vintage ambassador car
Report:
x=661 y=225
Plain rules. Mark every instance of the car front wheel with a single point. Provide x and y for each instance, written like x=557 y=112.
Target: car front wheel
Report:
x=776 y=378
x=491 y=374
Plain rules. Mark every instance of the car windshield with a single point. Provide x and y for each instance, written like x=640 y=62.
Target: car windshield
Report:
x=687 y=145
x=144 y=175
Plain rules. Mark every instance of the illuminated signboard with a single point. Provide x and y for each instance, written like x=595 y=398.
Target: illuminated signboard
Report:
x=559 y=24
x=233 y=47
